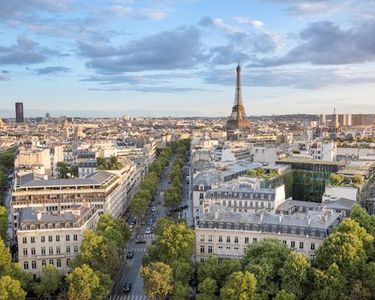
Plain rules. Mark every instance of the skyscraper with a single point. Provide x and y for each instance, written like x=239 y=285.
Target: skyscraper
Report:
x=19 y=112
x=238 y=119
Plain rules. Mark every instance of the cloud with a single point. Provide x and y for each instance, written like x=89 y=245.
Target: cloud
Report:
x=220 y=24
x=324 y=43
x=4 y=77
x=137 y=13
x=180 y=48
x=25 y=52
x=253 y=23
x=293 y=78
x=52 y=70
x=24 y=8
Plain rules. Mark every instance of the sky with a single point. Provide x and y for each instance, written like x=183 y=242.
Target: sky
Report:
x=178 y=58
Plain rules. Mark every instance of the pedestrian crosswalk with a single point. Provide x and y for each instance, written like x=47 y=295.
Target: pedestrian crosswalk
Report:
x=139 y=249
x=146 y=236
x=128 y=297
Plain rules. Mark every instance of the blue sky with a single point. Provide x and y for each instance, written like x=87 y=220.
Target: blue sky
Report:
x=164 y=57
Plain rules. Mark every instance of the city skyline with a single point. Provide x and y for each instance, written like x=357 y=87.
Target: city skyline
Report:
x=161 y=58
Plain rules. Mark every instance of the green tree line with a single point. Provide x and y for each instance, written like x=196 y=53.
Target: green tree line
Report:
x=344 y=268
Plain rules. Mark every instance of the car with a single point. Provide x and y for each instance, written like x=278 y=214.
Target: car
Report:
x=148 y=230
x=127 y=287
x=153 y=209
x=130 y=254
x=139 y=241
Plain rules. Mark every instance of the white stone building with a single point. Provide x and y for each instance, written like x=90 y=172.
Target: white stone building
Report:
x=52 y=237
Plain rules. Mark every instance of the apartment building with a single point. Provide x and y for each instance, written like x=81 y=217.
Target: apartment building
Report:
x=226 y=234
x=244 y=197
x=52 y=237
x=108 y=191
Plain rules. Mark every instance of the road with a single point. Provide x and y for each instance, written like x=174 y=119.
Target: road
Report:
x=130 y=268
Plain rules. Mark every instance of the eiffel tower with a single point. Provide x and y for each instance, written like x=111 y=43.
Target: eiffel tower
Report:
x=238 y=119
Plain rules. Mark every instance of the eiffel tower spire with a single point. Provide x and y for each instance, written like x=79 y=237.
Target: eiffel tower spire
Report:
x=238 y=119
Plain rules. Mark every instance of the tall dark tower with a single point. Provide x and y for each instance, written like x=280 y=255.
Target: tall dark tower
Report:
x=238 y=119
x=19 y=112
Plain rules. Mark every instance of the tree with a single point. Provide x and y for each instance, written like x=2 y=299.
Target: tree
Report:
x=172 y=197
x=335 y=179
x=50 y=281
x=207 y=289
x=176 y=242
x=208 y=268
x=240 y=285
x=343 y=249
x=294 y=274
x=157 y=279
x=115 y=230
x=264 y=259
x=180 y=291
x=226 y=268
x=357 y=179
x=283 y=295
x=328 y=284
x=352 y=227
x=367 y=221
x=138 y=207
x=10 y=289
x=85 y=284
x=3 y=222
x=5 y=259
x=99 y=253
x=182 y=271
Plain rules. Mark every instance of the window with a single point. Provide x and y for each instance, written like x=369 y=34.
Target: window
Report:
x=301 y=245
x=246 y=240
x=67 y=237
x=202 y=238
x=25 y=251
x=292 y=244
x=210 y=238
x=44 y=263
x=220 y=247
x=220 y=239
x=202 y=249
x=75 y=248
x=58 y=263
x=228 y=248
x=33 y=264
x=228 y=239
x=235 y=248
x=32 y=251
x=42 y=238
x=236 y=239
x=255 y=239
x=32 y=239
x=50 y=250
x=57 y=238
x=43 y=250
x=51 y=262
x=312 y=246
x=201 y=196
x=50 y=238
x=67 y=262
x=26 y=265
x=24 y=240
x=284 y=242
x=58 y=250
x=209 y=250
x=75 y=237
x=67 y=249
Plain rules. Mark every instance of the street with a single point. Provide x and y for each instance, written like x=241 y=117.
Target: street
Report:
x=130 y=268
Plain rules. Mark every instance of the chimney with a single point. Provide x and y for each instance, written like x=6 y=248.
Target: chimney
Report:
x=217 y=215
x=38 y=215
x=261 y=216
x=281 y=217
x=308 y=220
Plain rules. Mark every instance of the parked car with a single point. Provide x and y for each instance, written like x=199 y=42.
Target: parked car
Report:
x=140 y=241
x=127 y=287
x=148 y=230
x=130 y=254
